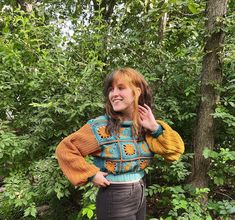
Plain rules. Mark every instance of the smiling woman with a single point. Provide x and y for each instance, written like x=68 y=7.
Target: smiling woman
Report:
x=123 y=142
x=127 y=88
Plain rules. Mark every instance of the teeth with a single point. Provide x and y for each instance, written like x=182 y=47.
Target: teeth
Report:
x=116 y=100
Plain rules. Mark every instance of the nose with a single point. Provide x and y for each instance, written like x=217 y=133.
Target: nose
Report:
x=114 y=92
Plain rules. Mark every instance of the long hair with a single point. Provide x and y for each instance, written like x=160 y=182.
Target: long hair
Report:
x=134 y=80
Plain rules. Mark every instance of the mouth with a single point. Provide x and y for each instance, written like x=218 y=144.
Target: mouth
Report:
x=116 y=100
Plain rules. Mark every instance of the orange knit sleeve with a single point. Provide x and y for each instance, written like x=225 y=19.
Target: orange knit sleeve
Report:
x=71 y=152
x=169 y=144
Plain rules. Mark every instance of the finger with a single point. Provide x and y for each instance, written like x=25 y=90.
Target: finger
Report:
x=106 y=182
x=140 y=119
x=142 y=111
x=141 y=115
x=147 y=107
x=104 y=174
x=102 y=185
x=142 y=108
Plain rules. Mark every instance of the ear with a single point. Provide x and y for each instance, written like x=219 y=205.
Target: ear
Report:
x=138 y=92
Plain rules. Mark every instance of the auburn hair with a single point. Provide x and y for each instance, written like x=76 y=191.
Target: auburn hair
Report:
x=134 y=80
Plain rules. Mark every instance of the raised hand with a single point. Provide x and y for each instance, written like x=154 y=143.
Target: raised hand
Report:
x=99 y=179
x=146 y=118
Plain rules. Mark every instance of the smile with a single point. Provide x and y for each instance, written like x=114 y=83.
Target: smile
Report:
x=116 y=100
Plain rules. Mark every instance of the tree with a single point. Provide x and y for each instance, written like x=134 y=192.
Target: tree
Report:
x=51 y=84
x=211 y=81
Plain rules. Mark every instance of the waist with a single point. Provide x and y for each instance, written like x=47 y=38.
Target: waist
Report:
x=129 y=177
x=126 y=185
x=127 y=182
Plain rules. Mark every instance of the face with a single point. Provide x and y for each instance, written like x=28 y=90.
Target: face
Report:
x=121 y=98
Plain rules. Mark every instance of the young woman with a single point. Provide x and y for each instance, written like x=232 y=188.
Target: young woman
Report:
x=122 y=142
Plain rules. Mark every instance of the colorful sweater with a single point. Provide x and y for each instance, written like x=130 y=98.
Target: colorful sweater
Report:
x=121 y=156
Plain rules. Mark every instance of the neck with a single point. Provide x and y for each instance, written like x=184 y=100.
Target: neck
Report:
x=126 y=118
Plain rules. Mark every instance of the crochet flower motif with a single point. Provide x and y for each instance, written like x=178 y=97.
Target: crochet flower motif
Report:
x=107 y=151
x=129 y=149
x=127 y=167
x=121 y=132
x=102 y=132
x=144 y=148
x=110 y=166
x=143 y=164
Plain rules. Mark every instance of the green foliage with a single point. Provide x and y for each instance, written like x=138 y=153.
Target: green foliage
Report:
x=180 y=202
x=51 y=84
x=222 y=170
x=174 y=172
x=13 y=149
x=88 y=211
x=183 y=201
x=88 y=202
x=223 y=208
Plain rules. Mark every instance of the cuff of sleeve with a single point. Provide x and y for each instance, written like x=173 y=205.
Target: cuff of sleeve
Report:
x=91 y=178
x=157 y=132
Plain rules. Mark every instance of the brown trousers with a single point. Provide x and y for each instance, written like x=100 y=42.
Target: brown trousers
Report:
x=121 y=202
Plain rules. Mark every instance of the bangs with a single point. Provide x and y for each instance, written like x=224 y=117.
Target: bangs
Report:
x=115 y=78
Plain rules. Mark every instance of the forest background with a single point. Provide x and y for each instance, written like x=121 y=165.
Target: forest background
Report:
x=54 y=56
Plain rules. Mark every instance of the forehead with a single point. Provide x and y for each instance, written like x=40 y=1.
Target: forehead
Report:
x=119 y=82
x=120 y=79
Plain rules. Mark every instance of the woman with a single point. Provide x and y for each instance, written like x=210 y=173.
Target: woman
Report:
x=122 y=142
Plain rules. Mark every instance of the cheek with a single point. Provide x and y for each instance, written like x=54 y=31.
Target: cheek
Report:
x=109 y=96
x=131 y=95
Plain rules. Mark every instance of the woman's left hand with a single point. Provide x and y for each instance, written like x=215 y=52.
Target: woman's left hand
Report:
x=146 y=118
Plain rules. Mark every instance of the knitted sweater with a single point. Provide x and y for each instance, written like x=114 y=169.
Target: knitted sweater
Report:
x=121 y=156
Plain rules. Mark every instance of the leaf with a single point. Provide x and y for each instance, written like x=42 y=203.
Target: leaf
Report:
x=33 y=211
x=27 y=212
x=206 y=153
x=208 y=218
x=90 y=213
x=169 y=218
x=193 y=7
x=231 y=210
x=218 y=181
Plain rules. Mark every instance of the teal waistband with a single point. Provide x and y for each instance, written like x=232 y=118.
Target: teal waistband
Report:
x=125 y=177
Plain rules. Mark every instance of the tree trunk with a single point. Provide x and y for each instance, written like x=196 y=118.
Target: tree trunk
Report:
x=162 y=24
x=211 y=78
x=106 y=6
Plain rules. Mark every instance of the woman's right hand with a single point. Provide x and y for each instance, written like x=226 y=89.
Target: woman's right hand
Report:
x=99 y=179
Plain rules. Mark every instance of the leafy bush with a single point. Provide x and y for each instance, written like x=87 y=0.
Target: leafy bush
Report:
x=222 y=170
x=51 y=84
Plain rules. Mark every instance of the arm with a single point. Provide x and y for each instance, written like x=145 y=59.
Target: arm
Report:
x=168 y=144
x=71 y=152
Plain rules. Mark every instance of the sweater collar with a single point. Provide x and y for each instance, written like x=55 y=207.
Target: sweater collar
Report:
x=126 y=123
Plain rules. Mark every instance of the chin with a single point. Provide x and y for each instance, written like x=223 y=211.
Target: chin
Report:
x=117 y=109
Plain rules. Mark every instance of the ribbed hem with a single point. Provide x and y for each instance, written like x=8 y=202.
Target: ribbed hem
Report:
x=125 y=177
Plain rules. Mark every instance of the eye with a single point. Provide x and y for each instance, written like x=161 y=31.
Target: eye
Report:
x=110 y=89
x=121 y=87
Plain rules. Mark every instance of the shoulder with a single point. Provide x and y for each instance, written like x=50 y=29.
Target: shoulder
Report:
x=98 y=126
x=100 y=120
